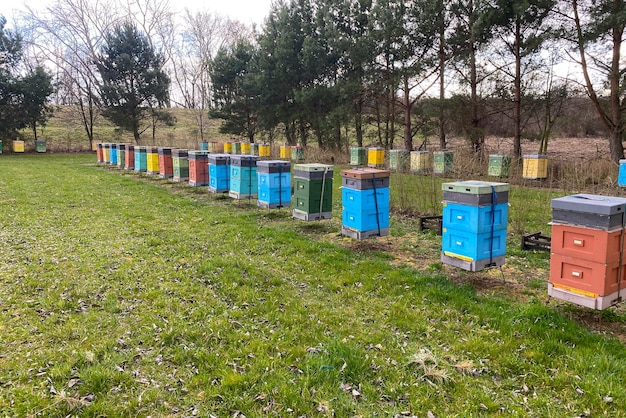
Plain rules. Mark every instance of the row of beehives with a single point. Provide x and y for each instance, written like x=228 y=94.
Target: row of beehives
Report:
x=586 y=263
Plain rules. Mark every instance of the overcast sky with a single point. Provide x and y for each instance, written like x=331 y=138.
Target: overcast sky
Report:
x=247 y=11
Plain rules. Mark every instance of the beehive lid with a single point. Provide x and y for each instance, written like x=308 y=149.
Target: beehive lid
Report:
x=219 y=157
x=273 y=163
x=312 y=167
x=475 y=187
x=535 y=156
x=589 y=203
x=364 y=173
x=398 y=151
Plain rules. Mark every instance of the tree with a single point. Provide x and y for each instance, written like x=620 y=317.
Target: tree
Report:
x=133 y=80
x=10 y=56
x=234 y=98
x=35 y=88
x=598 y=33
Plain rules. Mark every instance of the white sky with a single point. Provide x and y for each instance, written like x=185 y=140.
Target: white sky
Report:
x=247 y=11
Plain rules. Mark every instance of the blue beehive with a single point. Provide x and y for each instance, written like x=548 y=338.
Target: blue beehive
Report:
x=113 y=155
x=141 y=159
x=243 y=181
x=474 y=224
x=274 y=183
x=365 y=204
x=476 y=219
x=621 y=178
x=219 y=173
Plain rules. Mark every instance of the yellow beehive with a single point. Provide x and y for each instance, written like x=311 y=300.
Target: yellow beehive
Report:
x=18 y=146
x=264 y=150
x=376 y=157
x=228 y=147
x=421 y=161
x=285 y=152
x=245 y=148
x=535 y=167
x=152 y=160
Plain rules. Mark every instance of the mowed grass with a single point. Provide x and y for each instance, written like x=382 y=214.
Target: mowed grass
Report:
x=122 y=296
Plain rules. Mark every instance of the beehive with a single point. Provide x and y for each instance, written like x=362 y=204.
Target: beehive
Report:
x=204 y=146
x=313 y=191
x=152 y=160
x=113 y=154
x=587 y=264
x=243 y=182
x=198 y=168
x=297 y=153
x=285 y=152
x=0 y=146
x=398 y=159
x=99 y=153
x=365 y=211
x=376 y=157
x=274 y=184
x=265 y=150
x=236 y=148
x=443 y=161
x=216 y=147
x=535 y=167
x=621 y=175
x=106 y=153
x=499 y=165
x=421 y=161
x=40 y=145
x=141 y=159
x=129 y=157
x=219 y=173
x=121 y=155
x=358 y=156
x=246 y=148
x=474 y=224
x=228 y=147
x=166 y=164
x=18 y=146
x=254 y=149
x=180 y=165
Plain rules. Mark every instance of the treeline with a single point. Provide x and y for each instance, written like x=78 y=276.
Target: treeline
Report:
x=335 y=72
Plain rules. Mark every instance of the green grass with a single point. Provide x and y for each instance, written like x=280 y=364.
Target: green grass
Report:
x=123 y=295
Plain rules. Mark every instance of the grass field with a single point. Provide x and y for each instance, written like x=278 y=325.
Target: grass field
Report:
x=123 y=295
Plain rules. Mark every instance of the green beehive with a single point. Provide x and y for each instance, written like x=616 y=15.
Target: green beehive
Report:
x=499 y=165
x=180 y=165
x=236 y=147
x=40 y=146
x=308 y=193
x=398 y=159
x=358 y=156
x=297 y=153
x=0 y=147
x=442 y=162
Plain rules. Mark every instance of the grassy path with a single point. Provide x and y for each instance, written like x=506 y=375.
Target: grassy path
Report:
x=122 y=297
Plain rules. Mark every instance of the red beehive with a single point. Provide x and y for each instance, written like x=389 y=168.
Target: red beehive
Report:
x=129 y=157
x=166 y=167
x=198 y=168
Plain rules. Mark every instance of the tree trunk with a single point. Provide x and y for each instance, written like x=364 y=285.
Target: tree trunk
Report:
x=358 y=121
x=442 y=90
x=408 y=137
x=517 y=102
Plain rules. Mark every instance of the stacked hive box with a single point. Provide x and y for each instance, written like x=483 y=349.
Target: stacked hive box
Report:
x=0 y=147
x=40 y=146
x=265 y=150
x=180 y=165
x=243 y=182
x=421 y=161
x=129 y=157
x=152 y=160
x=274 y=184
x=113 y=154
x=121 y=155
x=254 y=149
x=285 y=152
x=313 y=191
x=166 y=165
x=442 y=162
x=99 y=153
x=204 y=146
x=365 y=200
x=474 y=224
x=18 y=146
x=228 y=147
x=219 y=173
x=357 y=156
x=297 y=153
x=106 y=153
x=587 y=250
x=398 y=159
x=198 y=168
x=621 y=176
x=141 y=159
x=535 y=167
x=376 y=157
x=499 y=165
x=236 y=147
x=246 y=148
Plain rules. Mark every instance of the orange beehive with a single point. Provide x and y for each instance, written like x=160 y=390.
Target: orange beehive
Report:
x=129 y=157
x=585 y=277
x=198 y=168
x=586 y=243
